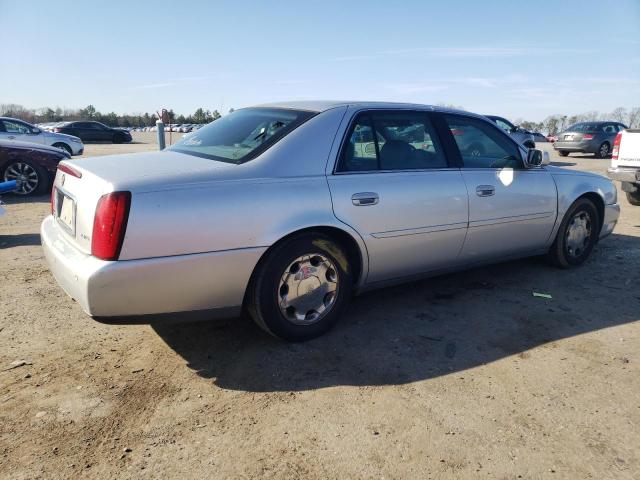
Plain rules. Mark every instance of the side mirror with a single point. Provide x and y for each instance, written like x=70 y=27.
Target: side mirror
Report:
x=515 y=128
x=535 y=158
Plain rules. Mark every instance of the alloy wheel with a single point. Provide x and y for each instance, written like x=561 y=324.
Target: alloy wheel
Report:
x=25 y=175
x=308 y=289
x=578 y=234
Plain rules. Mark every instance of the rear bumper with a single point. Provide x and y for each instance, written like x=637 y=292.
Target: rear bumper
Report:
x=204 y=281
x=622 y=174
x=611 y=215
x=578 y=147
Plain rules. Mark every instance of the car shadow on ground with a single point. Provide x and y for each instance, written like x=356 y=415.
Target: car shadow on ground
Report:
x=13 y=199
x=19 y=240
x=423 y=329
x=563 y=164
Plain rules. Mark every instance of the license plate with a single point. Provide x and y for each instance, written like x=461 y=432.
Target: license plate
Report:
x=67 y=215
x=568 y=137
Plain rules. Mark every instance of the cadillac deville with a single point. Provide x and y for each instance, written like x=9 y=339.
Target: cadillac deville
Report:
x=284 y=211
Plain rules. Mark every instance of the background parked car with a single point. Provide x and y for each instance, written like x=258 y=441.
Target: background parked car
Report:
x=588 y=137
x=18 y=130
x=520 y=135
x=538 y=137
x=552 y=138
x=94 y=132
x=33 y=166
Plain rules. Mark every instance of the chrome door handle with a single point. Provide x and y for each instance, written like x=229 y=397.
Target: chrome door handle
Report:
x=485 y=190
x=364 y=198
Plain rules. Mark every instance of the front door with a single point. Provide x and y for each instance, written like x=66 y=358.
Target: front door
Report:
x=512 y=210
x=393 y=184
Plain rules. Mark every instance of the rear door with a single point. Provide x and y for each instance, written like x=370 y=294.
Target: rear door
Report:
x=394 y=185
x=512 y=210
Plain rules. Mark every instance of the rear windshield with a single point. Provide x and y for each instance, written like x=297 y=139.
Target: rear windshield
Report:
x=242 y=135
x=584 y=127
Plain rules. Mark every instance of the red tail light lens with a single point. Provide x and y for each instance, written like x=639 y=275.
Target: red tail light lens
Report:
x=70 y=170
x=109 y=225
x=588 y=136
x=616 y=146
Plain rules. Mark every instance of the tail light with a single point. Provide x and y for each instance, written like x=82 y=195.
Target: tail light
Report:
x=109 y=225
x=63 y=167
x=57 y=130
x=616 y=146
x=588 y=136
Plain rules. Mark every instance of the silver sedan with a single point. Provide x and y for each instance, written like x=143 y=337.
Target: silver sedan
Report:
x=286 y=210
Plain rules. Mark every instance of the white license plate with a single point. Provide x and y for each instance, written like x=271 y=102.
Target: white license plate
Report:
x=568 y=137
x=68 y=213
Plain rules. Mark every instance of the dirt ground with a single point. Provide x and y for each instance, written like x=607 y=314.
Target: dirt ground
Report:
x=462 y=376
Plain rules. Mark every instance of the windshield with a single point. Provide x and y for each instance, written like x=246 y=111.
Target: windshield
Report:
x=242 y=135
x=583 y=127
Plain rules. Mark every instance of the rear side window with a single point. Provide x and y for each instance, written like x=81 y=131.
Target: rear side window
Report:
x=242 y=135
x=391 y=141
x=482 y=145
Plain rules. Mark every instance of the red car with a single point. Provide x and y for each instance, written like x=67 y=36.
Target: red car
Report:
x=32 y=165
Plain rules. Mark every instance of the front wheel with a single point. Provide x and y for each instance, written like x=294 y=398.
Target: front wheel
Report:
x=634 y=198
x=562 y=153
x=301 y=288
x=32 y=179
x=577 y=235
x=63 y=146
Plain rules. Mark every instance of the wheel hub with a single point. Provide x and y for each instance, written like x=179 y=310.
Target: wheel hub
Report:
x=25 y=176
x=307 y=289
x=578 y=234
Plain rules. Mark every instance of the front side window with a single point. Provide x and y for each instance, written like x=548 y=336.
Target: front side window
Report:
x=15 y=127
x=481 y=145
x=242 y=135
x=391 y=141
x=503 y=125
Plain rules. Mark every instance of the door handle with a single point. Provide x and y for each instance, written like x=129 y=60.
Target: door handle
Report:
x=485 y=190
x=364 y=198
x=11 y=137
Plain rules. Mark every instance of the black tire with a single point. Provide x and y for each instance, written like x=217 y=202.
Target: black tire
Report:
x=561 y=253
x=562 y=153
x=604 y=150
x=634 y=198
x=42 y=177
x=266 y=289
x=118 y=138
x=63 y=146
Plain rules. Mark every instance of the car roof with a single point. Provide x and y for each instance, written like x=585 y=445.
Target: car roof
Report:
x=323 y=105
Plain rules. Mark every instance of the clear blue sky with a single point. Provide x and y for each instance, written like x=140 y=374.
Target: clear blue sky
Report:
x=515 y=58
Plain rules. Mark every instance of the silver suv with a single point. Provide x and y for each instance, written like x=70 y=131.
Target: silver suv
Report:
x=519 y=134
x=19 y=131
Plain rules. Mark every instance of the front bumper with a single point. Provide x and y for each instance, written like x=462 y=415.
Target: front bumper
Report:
x=578 y=147
x=204 y=281
x=622 y=174
x=76 y=148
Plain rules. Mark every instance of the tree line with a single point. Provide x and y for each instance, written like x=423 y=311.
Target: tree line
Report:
x=112 y=119
x=557 y=123
x=551 y=125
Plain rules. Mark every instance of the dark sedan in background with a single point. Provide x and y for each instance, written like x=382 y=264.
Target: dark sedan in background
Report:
x=33 y=166
x=94 y=132
x=588 y=137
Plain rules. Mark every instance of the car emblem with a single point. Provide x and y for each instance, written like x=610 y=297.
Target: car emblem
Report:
x=63 y=179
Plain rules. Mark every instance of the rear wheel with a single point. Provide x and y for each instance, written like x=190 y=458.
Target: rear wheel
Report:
x=562 y=153
x=634 y=197
x=63 y=146
x=301 y=288
x=603 y=150
x=577 y=235
x=32 y=179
